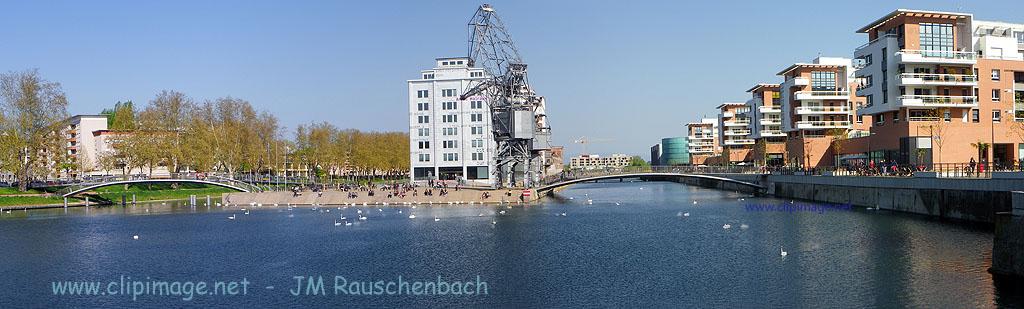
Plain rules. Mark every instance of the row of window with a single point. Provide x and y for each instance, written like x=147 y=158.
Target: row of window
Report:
x=450 y=157
x=425 y=119
x=974 y=116
x=423 y=106
x=450 y=144
x=425 y=132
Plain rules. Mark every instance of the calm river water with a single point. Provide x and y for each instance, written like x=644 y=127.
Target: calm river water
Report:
x=639 y=253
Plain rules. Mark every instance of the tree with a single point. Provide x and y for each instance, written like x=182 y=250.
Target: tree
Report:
x=839 y=138
x=34 y=111
x=637 y=161
x=982 y=148
x=121 y=117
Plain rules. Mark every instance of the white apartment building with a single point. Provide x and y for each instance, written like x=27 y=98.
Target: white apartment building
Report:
x=449 y=138
x=596 y=161
x=816 y=96
x=703 y=137
x=766 y=110
x=81 y=145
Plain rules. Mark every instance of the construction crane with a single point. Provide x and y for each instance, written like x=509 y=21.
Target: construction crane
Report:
x=518 y=114
x=583 y=141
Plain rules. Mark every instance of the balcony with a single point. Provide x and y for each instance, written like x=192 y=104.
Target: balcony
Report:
x=817 y=110
x=770 y=121
x=702 y=144
x=766 y=133
x=822 y=124
x=919 y=79
x=935 y=56
x=769 y=109
x=742 y=141
x=728 y=114
x=736 y=123
x=938 y=101
x=823 y=95
x=696 y=137
x=737 y=132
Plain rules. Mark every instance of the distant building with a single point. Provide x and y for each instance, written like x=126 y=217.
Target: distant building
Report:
x=81 y=146
x=674 y=151
x=450 y=138
x=596 y=161
x=703 y=140
x=656 y=154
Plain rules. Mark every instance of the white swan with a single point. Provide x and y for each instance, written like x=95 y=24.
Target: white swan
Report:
x=744 y=226
x=782 y=252
x=336 y=223
x=686 y=214
x=232 y=217
x=412 y=216
x=436 y=219
x=135 y=237
x=727 y=226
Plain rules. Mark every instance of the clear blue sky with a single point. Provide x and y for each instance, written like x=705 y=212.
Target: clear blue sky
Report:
x=629 y=71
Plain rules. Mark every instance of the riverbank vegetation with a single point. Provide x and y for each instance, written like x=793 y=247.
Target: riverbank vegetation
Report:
x=174 y=133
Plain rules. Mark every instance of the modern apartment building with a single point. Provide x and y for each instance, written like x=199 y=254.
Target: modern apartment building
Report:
x=703 y=140
x=940 y=83
x=765 y=105
x=450 y=138
x=734 y=119
x=81 y=145
x=596 y=161
x=818 y=107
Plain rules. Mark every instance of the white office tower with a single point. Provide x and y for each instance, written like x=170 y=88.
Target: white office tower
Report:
x=449 y=138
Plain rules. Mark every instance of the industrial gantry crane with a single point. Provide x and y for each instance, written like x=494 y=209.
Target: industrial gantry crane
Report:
x=518 y=115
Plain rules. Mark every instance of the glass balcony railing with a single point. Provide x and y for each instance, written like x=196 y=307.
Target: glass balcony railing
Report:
x=939 y=78
x=940 y=54
x=938 y=100
x=821 y=124
x=822 y=109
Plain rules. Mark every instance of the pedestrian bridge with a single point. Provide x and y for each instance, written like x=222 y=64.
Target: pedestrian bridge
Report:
x=213 y=181
x=711 y=180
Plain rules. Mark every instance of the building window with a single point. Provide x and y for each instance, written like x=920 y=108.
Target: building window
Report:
x=476 y=117
x=476 y=74
x=423 y=132
x=947 y=115
x=478 y=156
x=423 y=94
x=451 y=156
x=1020 y=36
x=869 y=100
x=936 y=40
x=823 y=81
x=868 y=81
x=424 y=157
x=995 y=95
x=424 y=145
x=477 y=130
x=422 y=106
x=449 y=105
x=449 y=131
x=428 y=76
x=478 y=143
x=449 y=144
x=447 y=93
x=449 y=118
x=895 y=116
x=881 y=119
x=423 y=119
x=860 y=118
x=476 y=104
x=996 y=115
x=975 y=116
x=995 y=74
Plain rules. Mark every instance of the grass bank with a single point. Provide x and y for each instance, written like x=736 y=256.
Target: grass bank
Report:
x=142 y=192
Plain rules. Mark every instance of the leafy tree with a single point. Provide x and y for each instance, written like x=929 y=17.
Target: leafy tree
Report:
x=33 y=112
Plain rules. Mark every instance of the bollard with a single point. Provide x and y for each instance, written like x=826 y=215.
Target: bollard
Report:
x=65 y=202
x=86 y=201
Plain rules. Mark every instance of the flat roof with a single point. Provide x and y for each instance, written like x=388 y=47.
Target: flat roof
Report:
x=922 y=13
x=758 y=86
x=806 y=65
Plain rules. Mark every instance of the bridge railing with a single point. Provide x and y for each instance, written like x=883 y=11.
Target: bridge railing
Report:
x=221 y=179
x=597 y=172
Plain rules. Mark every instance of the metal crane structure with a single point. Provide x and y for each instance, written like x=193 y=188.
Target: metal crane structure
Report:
x=518 y=116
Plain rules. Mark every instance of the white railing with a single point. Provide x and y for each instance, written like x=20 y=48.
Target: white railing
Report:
x=822 y=109
x=741 y=141
x=824 y=93
x=923 y=118
x=769 y=109
x=772 y=133
x=737 y=132
x=938 y=100
x=942 y=78
x=736 y=123
x=941 y=54
x=821 y=124
x=771 y=121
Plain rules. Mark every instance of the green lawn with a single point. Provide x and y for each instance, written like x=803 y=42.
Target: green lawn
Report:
x=14 y=191
x=142 y=192
x=162 y=191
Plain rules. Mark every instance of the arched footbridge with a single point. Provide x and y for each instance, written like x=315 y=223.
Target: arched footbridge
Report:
x=212 y=180
x=562 y=182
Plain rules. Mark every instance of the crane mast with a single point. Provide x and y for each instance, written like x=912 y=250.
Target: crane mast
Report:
x=518 y=114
